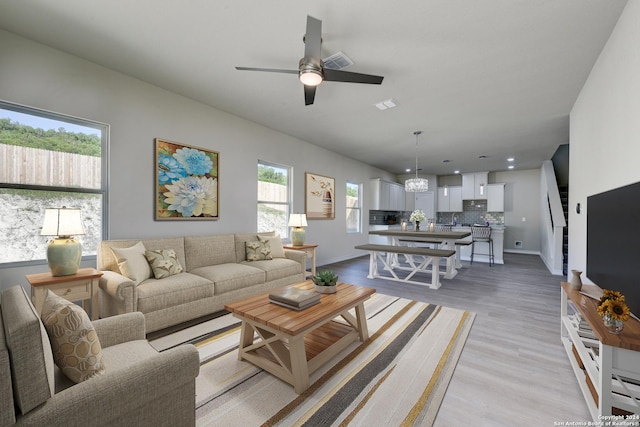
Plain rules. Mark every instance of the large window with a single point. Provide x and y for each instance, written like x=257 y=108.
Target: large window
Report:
x=274 y=200
x=354 y=210
x=48 y=160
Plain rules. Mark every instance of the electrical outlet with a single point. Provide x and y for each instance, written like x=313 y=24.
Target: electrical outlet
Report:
x=518 y=244
x=524 y=219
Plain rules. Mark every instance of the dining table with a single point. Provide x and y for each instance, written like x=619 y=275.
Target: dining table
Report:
x=442 y=239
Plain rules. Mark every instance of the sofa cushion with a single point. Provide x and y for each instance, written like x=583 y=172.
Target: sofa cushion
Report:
x=76 y=347
x=256 y=251
x=7 y=410
x=232 y=277
x=241 y=239
x=132 y=262
x=275 y=242
x=163 y=262
x=32 y=367
x=107 y=261
x=181 y=288
x=209 y=250
x=277 y=268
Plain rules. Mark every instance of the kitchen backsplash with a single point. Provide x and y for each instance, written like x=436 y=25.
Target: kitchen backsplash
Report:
x=387 y=217
x=475 y=212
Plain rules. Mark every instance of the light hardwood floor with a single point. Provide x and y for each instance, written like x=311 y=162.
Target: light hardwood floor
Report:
x=513 y=370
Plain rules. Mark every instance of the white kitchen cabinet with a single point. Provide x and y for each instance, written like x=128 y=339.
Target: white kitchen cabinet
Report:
x=397 y=197
x=387 y=195
x=474 y=185
x=452 y=202
x=495 y=198
x=426 y=201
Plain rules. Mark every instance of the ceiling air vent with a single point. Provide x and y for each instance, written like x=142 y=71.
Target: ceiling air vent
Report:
x=338 y=61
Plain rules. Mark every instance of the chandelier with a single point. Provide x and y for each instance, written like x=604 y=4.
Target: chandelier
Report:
x=416 y=185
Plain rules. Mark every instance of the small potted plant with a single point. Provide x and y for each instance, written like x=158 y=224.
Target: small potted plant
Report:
x=325 y=282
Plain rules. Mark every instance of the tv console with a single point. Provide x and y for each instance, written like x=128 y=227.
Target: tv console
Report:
x=606 y=365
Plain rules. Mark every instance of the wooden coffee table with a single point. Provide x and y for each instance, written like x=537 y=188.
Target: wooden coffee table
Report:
x=291 y=344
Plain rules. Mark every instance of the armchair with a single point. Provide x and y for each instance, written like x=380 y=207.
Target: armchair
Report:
x=140 y=386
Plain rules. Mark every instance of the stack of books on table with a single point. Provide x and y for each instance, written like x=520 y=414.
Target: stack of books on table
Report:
x=294 y=298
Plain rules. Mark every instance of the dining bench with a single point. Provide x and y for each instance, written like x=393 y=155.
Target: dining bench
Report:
x=430 y=257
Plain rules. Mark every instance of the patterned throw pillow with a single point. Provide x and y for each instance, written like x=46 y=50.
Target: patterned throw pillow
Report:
x=74 y=341
x=164 y=262
x=275 y=243
x=257 y=250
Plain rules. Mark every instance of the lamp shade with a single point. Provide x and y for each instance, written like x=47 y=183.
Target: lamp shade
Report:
x=297 y=220
x=62 y=222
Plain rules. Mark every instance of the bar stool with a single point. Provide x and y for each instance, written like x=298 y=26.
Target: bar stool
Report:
x=481 y=234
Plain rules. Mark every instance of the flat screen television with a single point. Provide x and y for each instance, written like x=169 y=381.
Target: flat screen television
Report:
x=613 y=242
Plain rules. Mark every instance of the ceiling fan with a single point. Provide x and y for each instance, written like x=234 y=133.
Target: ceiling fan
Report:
x=311 y=70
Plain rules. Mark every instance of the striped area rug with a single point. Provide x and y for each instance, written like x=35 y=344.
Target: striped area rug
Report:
x=396 y=378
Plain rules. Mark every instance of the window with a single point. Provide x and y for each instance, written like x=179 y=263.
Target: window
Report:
x=274 y=204
x=354 y=215
x=48 y=160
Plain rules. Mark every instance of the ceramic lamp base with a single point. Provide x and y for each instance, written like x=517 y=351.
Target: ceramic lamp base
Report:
x=63 y=256
x=297 y=236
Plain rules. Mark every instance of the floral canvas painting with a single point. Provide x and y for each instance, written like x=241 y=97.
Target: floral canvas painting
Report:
x=186 y=182
x=319 y=196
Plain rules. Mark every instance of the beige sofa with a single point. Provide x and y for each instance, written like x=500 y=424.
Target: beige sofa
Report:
x=139 y=386
x=215 y=272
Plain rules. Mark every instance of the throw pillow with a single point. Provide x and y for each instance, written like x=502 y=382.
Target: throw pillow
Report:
x=275 y=242
x=164 y=262
x=257 y=250
x=132 y=262
x=74 y=341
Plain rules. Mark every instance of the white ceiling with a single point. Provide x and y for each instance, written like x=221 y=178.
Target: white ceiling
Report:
x=494 y=78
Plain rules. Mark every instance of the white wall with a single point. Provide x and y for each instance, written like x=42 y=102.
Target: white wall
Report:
x=521 y=200
x=604 y=148
x=35 y=75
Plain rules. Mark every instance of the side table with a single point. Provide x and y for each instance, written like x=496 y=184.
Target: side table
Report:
x=310 y=250
x=82 y=286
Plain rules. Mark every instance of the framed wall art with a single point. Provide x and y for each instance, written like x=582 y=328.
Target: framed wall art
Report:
x=320 y=202
x=186 y=182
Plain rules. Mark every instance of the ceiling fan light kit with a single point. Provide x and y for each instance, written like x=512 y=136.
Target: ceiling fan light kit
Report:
x=311 y=69
x=416 y=185
x=310 y=72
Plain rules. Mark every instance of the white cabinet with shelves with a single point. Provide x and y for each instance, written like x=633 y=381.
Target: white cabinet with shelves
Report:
x=607 y=366
x=452 y=201
x=387 y=195
x=495 y=197
x=474 y=185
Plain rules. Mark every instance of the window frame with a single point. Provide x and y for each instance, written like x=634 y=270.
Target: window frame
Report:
x=289 y=193
x=104 y=173
x=357 y=208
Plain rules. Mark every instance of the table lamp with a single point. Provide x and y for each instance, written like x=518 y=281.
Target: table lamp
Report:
x=64 y=252
x=297 y=221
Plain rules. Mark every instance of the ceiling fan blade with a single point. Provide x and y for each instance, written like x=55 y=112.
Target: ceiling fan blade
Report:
x=313 y=38
x=309 y=94
x=268 y=70
x=331 y=75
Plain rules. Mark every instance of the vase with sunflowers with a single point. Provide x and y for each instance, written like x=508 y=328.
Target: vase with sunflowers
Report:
x=614 y=310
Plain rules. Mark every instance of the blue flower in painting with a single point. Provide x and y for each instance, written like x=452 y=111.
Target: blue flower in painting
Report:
x=169 y=169
x=195 y=162
x=193 y=196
